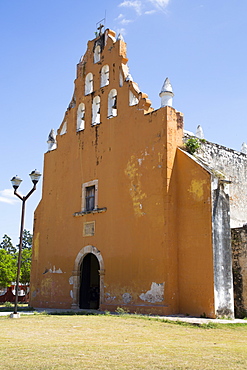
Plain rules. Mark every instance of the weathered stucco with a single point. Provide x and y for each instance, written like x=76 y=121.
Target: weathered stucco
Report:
x=155 y=294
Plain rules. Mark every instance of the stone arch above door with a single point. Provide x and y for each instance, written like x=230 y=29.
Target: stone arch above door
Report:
x=76 y=274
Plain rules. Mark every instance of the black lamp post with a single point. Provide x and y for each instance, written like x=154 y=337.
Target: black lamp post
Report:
x=16 y=181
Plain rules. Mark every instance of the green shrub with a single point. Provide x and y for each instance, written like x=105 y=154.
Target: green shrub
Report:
x=121 y=311
x=192 y=145
x=7 y=304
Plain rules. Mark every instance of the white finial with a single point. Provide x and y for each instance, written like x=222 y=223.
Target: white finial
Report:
x=52 y=143
x=199 y=132
x=166 y=94
x=244 y=148
x=120 y=37
x=129 y=78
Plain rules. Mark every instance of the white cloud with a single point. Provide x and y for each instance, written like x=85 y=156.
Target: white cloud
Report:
x=140 y=7
x=160 y=4
x=135 y=4
x=121 y=31
x=148 y=12
x=119 y=17
x=126 y=21
x=7 y=196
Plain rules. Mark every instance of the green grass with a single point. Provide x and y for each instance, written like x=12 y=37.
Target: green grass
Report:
x=118 y=342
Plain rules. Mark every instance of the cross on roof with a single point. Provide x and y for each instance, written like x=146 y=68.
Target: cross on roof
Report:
x=100 y=28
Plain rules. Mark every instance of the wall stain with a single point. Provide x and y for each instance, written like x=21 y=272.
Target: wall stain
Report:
x=155 y=294
x=136 y=193
x=46 y=287
x=196 y=189
x=36 y=246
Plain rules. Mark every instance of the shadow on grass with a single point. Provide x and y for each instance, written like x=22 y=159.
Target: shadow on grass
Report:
x=72 y=313
x=8 y=307
x=125 y=315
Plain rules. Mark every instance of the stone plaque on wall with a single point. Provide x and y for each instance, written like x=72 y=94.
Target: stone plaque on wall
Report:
x=89 y=228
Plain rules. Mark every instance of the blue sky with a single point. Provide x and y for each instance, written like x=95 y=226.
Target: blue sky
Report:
x=199 y=44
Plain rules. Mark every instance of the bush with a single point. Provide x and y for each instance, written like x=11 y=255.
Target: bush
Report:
x=7 y=304
x=192 y=145
x=122 y=311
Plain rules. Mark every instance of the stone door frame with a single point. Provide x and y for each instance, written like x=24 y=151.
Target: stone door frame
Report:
x=76 y=274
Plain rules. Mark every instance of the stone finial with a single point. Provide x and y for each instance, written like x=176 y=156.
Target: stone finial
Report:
x=52 y=143
x=120 y=37
x=244 y=148
x=199 y=132
x=129 y=78
x=166 y=93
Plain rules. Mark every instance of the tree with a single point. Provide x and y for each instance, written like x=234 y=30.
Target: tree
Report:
x=8 y=259
x=7 y=268
x=26 y=259
x=27 y=240
x=7 y=245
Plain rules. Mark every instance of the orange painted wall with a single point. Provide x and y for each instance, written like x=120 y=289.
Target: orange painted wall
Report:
x=132 y=156
x=194 y=236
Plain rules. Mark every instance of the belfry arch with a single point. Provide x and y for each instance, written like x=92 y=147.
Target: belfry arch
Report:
x=89 y=249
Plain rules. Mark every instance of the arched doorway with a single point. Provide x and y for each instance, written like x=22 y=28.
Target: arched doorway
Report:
x=89 y=294
x=76 y=275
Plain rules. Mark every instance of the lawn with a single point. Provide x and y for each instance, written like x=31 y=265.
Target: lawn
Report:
x=118 y=342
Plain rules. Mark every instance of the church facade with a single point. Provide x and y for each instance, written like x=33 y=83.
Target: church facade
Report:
x=128 y=218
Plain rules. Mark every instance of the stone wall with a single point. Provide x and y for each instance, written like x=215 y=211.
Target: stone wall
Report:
x=239 y=265
x=223 y=280
x=228 y=165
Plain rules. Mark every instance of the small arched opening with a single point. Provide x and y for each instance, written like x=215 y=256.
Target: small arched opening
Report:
x=89 y=83
x=96 y=110
x=104 y=77
x=96 y=56
x=112 y=103
x=80 y=117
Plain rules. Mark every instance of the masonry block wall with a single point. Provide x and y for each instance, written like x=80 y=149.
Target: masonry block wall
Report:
x=230 y=165
x=239 y=260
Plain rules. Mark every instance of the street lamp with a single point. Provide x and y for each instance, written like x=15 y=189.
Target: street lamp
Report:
x=16 y=181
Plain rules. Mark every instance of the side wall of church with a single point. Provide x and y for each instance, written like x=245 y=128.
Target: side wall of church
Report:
x=194 y=237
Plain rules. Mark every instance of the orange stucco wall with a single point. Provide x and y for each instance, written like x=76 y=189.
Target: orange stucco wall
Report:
x=139 y=235
x=194 y=237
